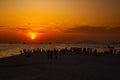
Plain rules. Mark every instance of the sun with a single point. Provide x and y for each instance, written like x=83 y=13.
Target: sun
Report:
x=33 y=38
x=32 y=35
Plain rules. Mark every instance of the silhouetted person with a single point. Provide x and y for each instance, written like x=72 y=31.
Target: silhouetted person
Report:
x=71 y=50
x=48 y=53
x=95 y=52
x=34 y=51
x=90 y=50
x=84 y=51
x=51 y=54
x=55 y=53
x=21 y=52
x=24 y=51
x=111 y=51
x=38 y=50
x=28 y=53
x=44 y=52
x=114 y=51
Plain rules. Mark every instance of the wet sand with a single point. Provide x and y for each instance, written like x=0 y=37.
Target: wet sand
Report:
x=66 y=67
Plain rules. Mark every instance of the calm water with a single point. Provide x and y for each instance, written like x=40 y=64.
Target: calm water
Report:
x=14 y=49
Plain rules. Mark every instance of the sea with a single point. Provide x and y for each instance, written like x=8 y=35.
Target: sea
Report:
x=14 y=49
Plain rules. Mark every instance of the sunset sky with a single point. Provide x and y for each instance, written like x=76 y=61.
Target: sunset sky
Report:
x=59 y=20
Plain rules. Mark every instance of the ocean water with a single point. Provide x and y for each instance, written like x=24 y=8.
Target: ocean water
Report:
x=14 y=49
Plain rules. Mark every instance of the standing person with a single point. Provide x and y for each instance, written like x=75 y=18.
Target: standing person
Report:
x=51 y=54
x=55 y=53
x=48 y=53
x=21 y=52
x=95 y=52
x=28 y=53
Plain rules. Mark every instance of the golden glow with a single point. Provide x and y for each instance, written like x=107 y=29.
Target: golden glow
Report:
x=32 y=35
x=58 y=20
x=33 y=38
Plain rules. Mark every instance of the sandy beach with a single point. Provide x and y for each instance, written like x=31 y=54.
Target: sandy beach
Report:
x=66 y=67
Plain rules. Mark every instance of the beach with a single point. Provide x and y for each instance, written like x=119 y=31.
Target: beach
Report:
x=59 y=39
x=66 y=67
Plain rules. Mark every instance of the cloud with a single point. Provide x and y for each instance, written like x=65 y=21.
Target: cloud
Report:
x=31 y=30
x=5 y=28
x=92 y=29
x=24 y=29
x=2 y=26
x=39 y=31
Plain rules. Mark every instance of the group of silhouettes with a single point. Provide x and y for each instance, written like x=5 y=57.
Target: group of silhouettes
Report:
x=65 y=51
x=38 y=51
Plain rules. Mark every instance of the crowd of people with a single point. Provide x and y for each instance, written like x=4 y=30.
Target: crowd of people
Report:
x=65 y=51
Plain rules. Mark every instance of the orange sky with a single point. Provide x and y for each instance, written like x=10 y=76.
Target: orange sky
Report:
x=59 y=20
